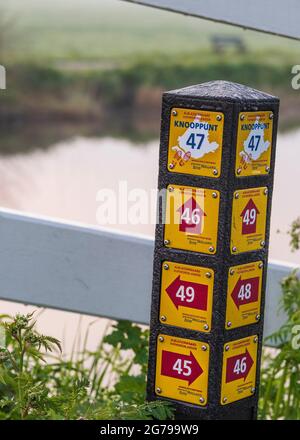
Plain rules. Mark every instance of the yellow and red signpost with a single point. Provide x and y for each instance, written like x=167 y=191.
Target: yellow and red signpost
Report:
x=216 y=169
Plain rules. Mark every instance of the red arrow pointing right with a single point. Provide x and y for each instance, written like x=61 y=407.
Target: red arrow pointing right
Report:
x=238 y=366
x=180 y=366
x=245 y=291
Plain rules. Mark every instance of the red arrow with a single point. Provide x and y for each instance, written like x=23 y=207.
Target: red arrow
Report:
x=191 y=215
x=238 y=366
x=188 y=294
x=245 y=291
x=249 y=221
x=180 y=366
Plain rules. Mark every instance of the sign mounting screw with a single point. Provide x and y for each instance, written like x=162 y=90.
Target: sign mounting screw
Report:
x=267 y=169
x=171 y=166
x=161 y=339
x=166 y=242
x=253 y=390
x=201 y=400
x=231 y=272
x=163 y=318
x=255 y=339
x=203 y=348
x=257 y=317
x=224 y=399
x=228 y=324
x=238 y=171
x=158 y=390
x=208 y=275
x=236 y=195
x=234 y=249
x=171 y=189
x=206 y=327
x=261 y=265
x=215 y=171
x=265 y=191
x=226 y=347
x=271 y=116
x=174 y=112
x=215 y=195
x=166 y=266
x=262 y=243
x=211 y=249
x=242 y=117
x=219 y=117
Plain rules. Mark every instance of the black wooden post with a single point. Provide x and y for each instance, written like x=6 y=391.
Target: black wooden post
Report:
x=216 y=167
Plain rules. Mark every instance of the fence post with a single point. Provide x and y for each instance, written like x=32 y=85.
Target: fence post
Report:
x=216 y=169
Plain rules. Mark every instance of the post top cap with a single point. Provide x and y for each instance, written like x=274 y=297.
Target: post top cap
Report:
x=223 y=90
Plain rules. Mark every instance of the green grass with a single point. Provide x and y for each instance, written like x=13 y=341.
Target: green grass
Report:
x=117 y=30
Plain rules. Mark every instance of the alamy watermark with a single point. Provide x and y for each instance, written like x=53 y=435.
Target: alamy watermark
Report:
x=2 y=77
x=296 y=78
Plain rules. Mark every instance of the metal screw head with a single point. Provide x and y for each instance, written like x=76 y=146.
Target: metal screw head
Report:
x=206 y=327
x=238 y=171
x=203 y=348
x=265 y=191
x=166 y=242
x=211 y=249
x=171 y=166
x=158 y=390
x=161 y=339
x=267 y=169
x=174 y=112
x=208 y=275
x=255 y=339
x=236 y=195
x=229 y=323
x=166 y=266
x=224 y=399
x=226 y=347
x=261 y=265
x=271 y=115
x=215 y=172
x=219 y=117
x=242 y=117
x=163 y=318
x=234 y=249
x=201 y=400
x=215 y=195
x=231 y=272
x=257 y=317
x=253 y=390
x=170 y=189
x=262 y=243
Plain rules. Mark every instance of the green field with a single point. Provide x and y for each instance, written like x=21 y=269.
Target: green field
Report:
x=119 y=31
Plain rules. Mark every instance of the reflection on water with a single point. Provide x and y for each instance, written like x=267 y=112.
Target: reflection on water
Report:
x=62 y=181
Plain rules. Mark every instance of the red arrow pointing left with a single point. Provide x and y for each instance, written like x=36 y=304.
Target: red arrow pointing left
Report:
x=180 y=366
x=188 y=294
x=245 y=291
x=238 y=367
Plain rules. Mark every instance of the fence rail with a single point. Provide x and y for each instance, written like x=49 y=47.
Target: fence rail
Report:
x=90 y=270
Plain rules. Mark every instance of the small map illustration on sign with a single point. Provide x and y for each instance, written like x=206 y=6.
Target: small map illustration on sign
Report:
x=254 y=143
x=195 y=142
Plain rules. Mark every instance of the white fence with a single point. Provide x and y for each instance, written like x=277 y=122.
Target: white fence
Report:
x=90 y=270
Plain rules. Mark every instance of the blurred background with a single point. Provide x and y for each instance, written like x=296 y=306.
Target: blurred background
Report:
x=82 y=107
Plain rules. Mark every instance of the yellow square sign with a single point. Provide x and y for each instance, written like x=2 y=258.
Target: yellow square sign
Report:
x=249 y=214
x=186 y=296
x=195 y=142
x=191 y=220
x=182 y=369
x=254 y=143
x=244 y=294
x=239 y=369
